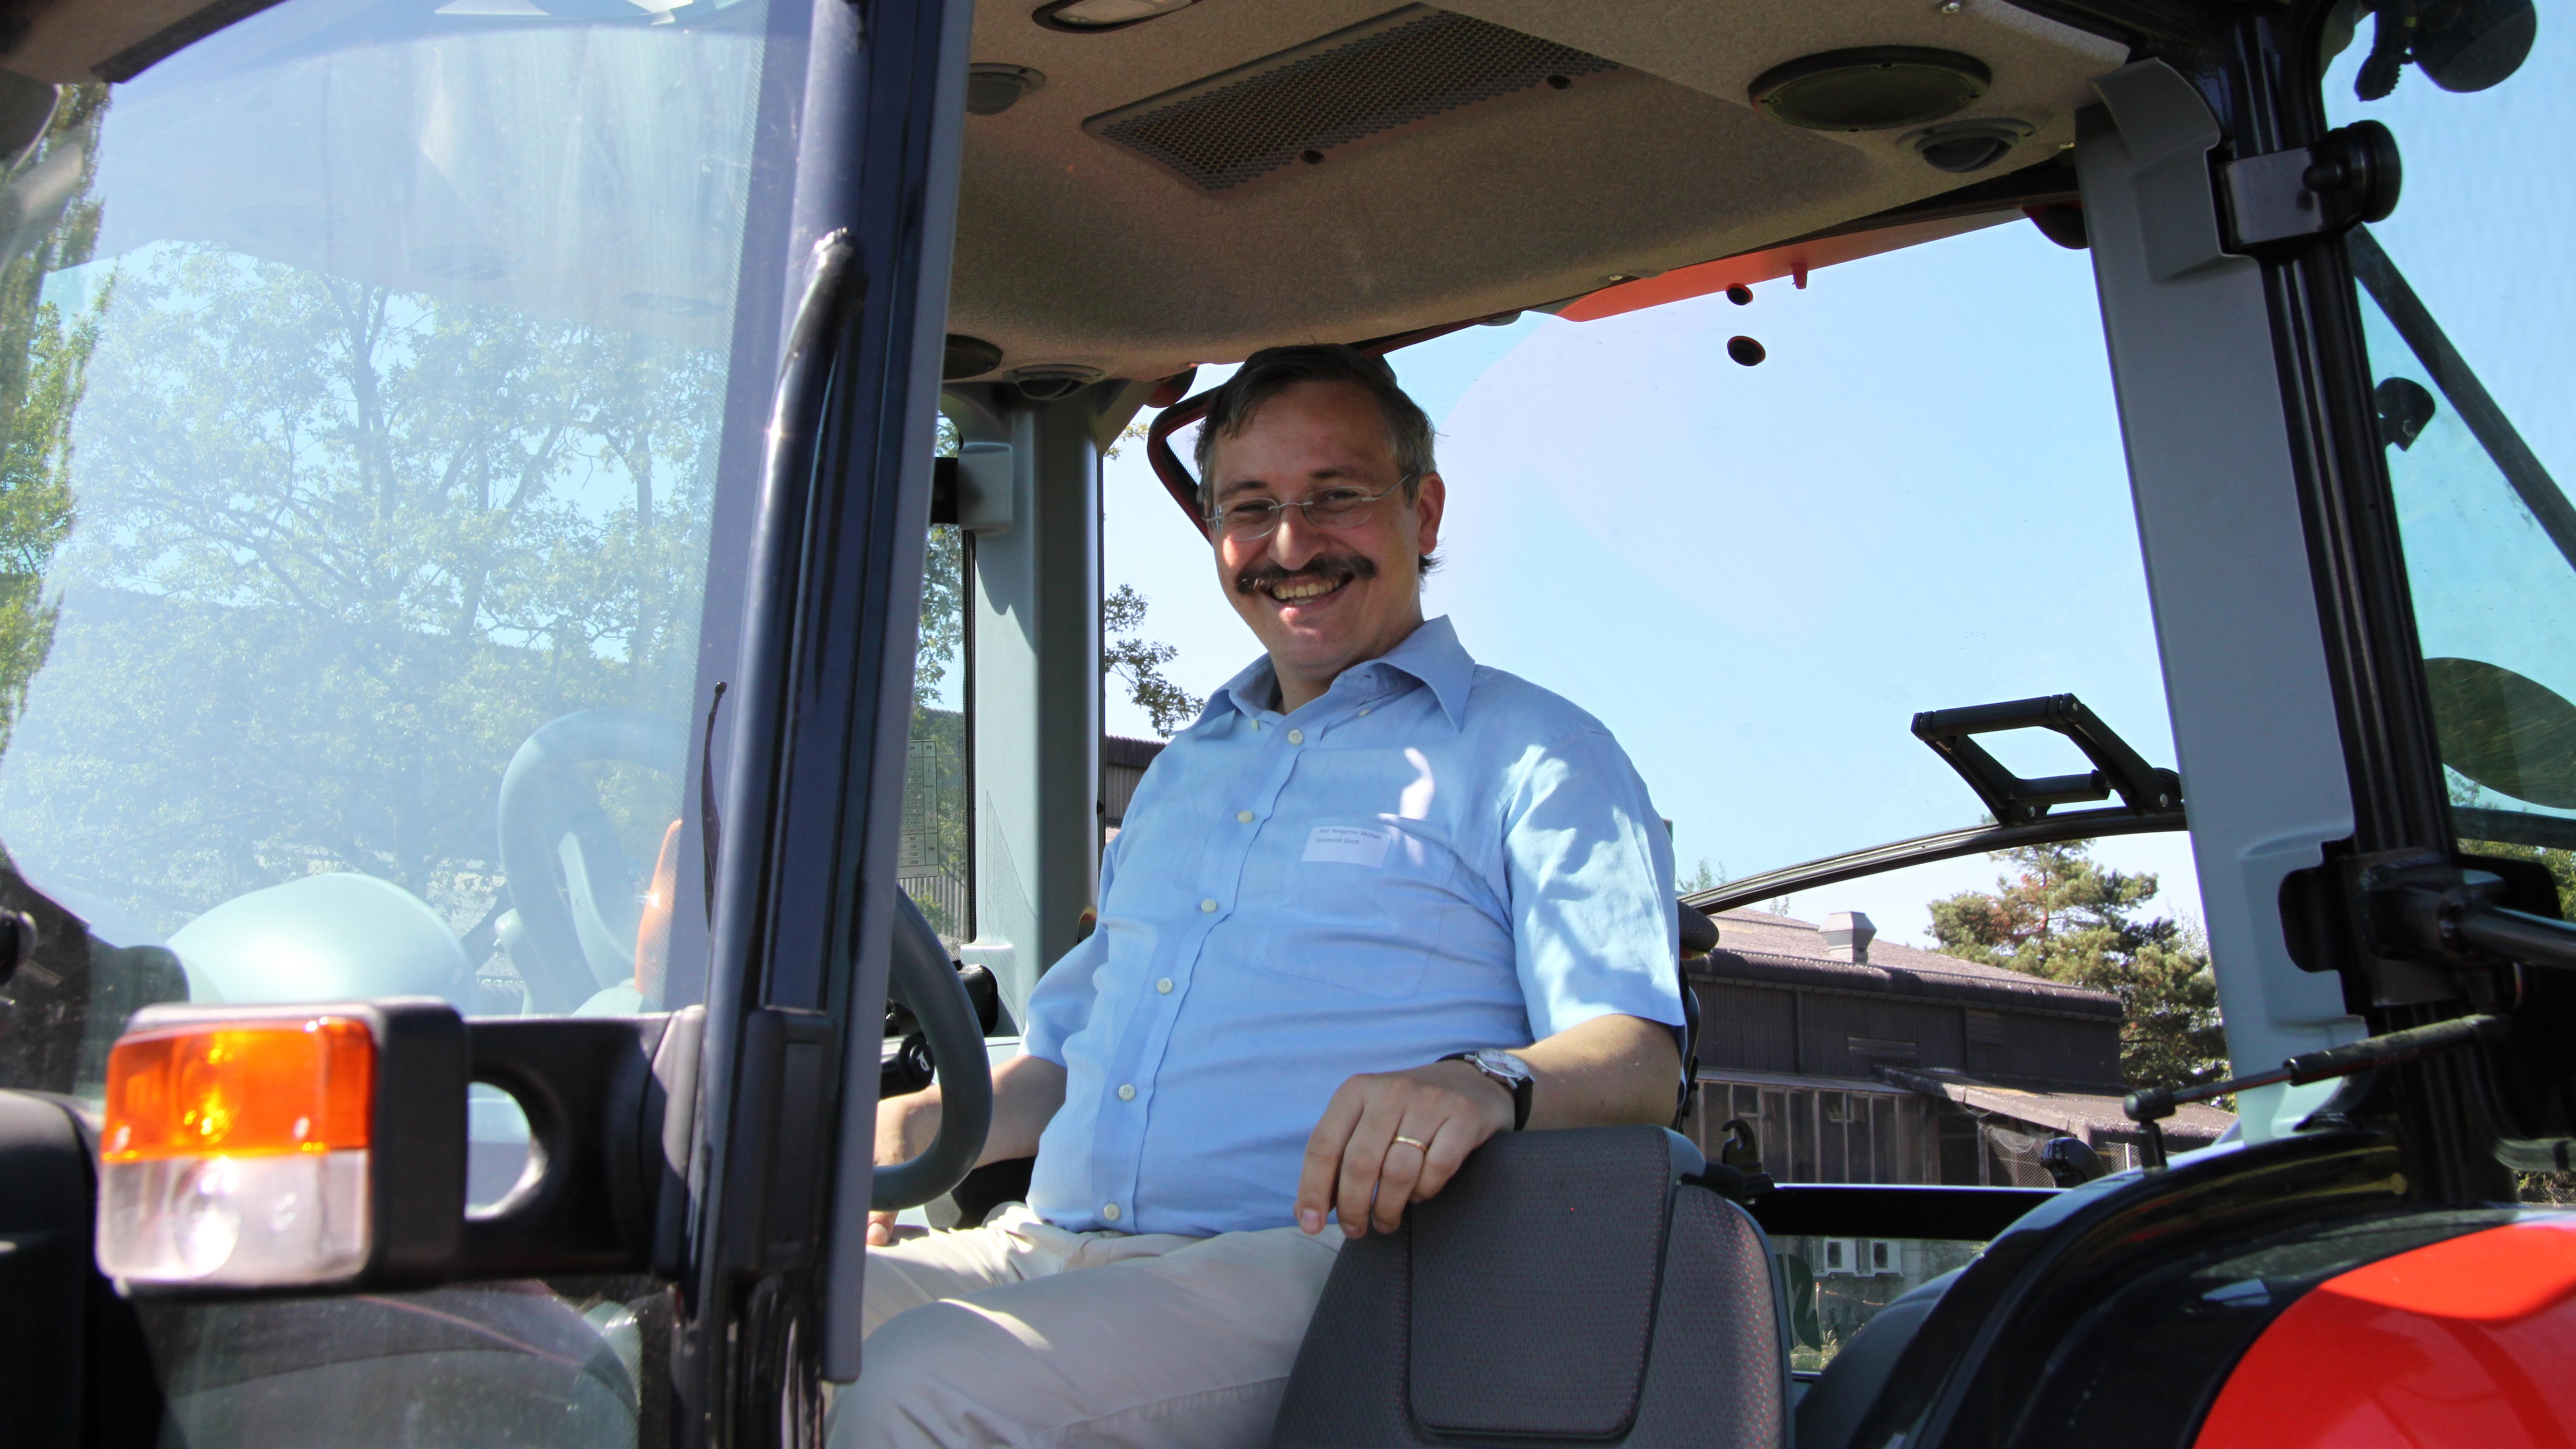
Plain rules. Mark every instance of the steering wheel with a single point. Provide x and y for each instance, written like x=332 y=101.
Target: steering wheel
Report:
x=927 y=980
x=544 y=799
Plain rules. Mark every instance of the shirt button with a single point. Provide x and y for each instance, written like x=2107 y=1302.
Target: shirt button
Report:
x=1363 y=709
x=1209 y=904
x=1164 y=986
x=1109 y=1210
x=1244 y=816
x=1127 y=1092
x=1296 y=737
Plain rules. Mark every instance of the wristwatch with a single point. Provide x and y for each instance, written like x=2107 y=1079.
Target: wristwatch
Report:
x=1505 y=1071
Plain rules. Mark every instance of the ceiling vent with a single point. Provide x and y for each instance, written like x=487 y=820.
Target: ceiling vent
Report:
x=1302 y=107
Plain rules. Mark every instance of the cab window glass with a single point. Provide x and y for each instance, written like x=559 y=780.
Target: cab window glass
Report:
x=1756 y=576
x=364 y=395
x=2465 y=313
x=933 y=868
x=364 y=371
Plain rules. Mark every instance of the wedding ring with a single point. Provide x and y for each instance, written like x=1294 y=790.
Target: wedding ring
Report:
x=1421 y=1146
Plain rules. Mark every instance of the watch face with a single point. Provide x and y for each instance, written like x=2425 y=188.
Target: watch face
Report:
x=1501 y=1063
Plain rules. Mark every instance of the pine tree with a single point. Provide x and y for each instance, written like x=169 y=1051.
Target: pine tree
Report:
x=2059 y=914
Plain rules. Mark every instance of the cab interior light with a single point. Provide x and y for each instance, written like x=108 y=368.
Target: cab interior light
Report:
x=250 y=1148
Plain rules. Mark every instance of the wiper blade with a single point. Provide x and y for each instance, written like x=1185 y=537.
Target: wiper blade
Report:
x=1924 y=849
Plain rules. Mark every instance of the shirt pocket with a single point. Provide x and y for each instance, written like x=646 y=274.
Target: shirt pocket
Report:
x=1362 y=906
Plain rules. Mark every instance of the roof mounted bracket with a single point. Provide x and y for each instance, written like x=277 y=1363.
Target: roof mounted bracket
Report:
x=2350 y=176
x=2143 y=788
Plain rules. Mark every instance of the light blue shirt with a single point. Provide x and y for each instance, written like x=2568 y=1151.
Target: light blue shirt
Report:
x=1432 y=857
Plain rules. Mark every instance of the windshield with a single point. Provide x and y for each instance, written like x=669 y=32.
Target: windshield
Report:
x=377 y=451
x=2465 y=310
x=363 y=436
x=1757 y=575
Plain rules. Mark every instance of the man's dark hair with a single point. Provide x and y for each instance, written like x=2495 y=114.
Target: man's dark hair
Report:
x=1273 y=370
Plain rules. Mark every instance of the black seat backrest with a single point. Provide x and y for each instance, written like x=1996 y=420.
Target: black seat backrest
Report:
x=1567 y=1287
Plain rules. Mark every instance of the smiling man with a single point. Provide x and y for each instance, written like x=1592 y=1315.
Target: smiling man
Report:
x=1376 y=905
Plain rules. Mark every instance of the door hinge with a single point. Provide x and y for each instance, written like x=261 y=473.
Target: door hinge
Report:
x=2350 y=176
x=2423 y=928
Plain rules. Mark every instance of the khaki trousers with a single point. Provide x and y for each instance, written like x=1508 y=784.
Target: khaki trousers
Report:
x=1020 y=1333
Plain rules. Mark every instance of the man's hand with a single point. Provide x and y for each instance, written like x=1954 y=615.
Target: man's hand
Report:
x=1027 y=1091
x=1608 y=1070
x=905 y=1126
x=1389 y=1139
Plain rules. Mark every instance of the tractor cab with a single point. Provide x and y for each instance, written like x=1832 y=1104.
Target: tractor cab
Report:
x=588 y=580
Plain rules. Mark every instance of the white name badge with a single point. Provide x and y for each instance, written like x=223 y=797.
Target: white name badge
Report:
x=1349 y=844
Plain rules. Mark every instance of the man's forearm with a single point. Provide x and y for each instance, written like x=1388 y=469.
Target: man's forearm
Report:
x=1609 y=1070
x=1027 y=1092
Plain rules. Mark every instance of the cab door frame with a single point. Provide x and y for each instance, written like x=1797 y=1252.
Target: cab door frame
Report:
x=807 y=828
x=2299 y=703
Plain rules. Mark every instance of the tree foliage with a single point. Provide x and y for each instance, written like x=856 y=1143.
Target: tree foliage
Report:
x=2060 y=914
x=2561 y=865
x=942 y=640
x=44 y=366
x=1140 y=663
x=341 y=549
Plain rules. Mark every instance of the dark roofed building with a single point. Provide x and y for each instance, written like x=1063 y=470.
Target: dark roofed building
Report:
x=1122 y=764
x=1859 y=1061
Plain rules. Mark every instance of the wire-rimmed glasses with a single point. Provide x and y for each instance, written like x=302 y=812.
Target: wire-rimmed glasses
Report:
x=1251 y=520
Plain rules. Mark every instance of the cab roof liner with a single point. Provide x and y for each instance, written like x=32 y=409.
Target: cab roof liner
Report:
x=1238 y=173
x=68 y=41
x=1078 y=248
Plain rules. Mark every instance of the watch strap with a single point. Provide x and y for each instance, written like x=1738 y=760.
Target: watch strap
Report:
x=1521 y=1087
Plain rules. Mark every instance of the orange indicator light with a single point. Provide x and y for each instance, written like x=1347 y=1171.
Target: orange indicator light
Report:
x=245 y=1089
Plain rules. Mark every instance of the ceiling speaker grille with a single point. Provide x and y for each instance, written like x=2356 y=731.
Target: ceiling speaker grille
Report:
x=1365 y=83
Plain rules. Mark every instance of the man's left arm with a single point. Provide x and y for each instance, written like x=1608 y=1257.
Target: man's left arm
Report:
x=1590 y=885
x=1597 y=1073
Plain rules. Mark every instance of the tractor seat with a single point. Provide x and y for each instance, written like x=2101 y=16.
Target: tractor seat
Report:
x=1569 y=1287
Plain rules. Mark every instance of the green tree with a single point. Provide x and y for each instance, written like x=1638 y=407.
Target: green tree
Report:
x=44 y=366
x=1140 y=663
x=1706 y=879
x=2561 y=865
x=2060 y=914
x=342 y=549
x=943 y=597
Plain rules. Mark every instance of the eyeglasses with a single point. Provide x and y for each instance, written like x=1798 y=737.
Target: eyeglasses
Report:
x=1254 y=519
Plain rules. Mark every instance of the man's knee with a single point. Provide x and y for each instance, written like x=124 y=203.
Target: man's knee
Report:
x=919 y=1270
x=945 y=1374
x=1186 y=1349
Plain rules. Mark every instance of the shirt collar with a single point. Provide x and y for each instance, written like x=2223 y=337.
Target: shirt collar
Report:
x=1431 y=654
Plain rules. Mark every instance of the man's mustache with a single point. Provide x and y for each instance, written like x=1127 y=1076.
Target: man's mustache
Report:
x=1332 y=570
